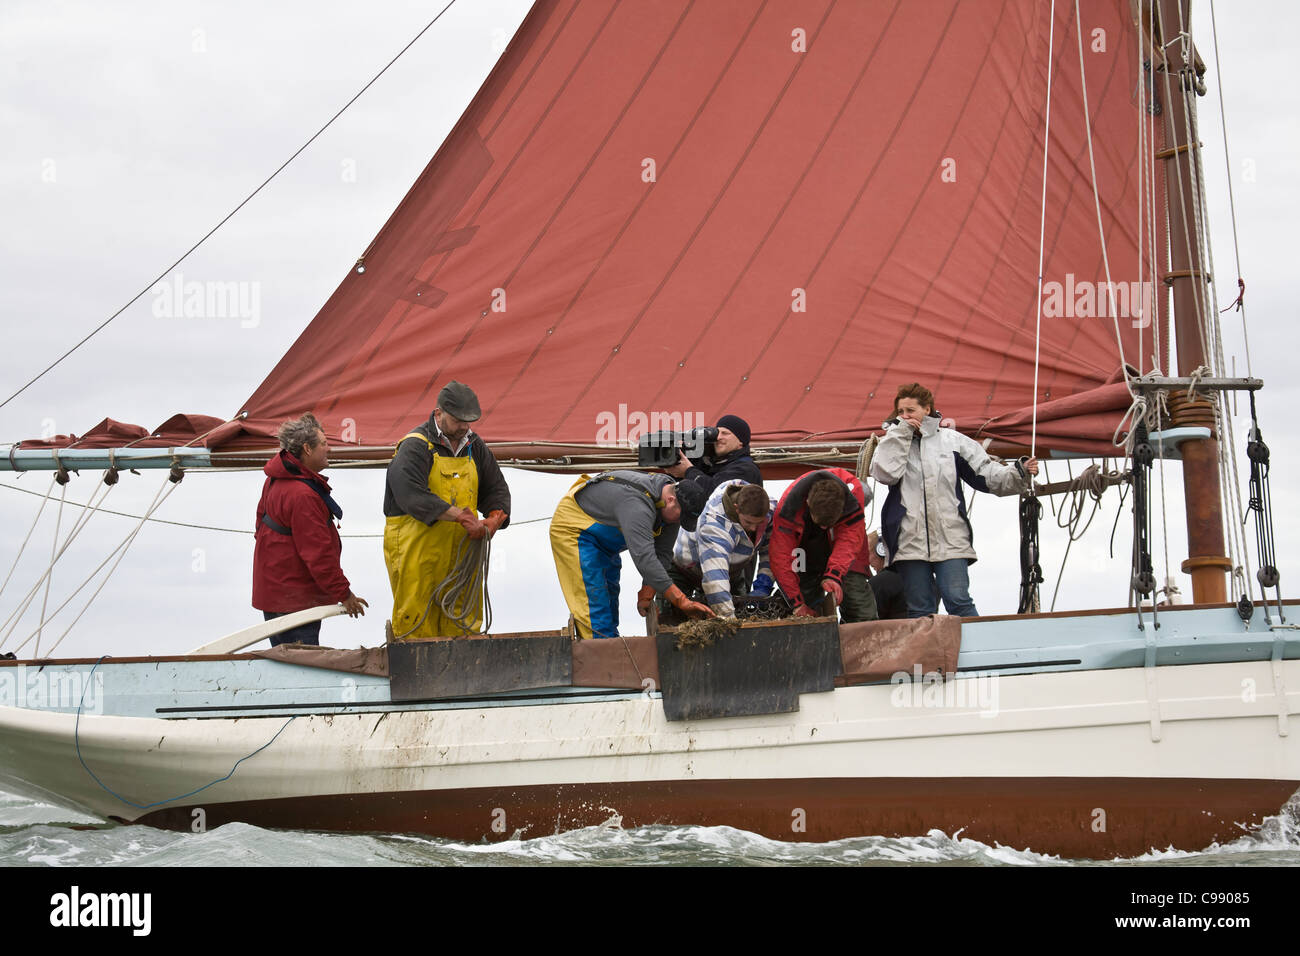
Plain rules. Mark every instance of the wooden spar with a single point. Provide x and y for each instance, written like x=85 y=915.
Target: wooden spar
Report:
x=1206 y=562
x=777 y=462
x=1073 y=485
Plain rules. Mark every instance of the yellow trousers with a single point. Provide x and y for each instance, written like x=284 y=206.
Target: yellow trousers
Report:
x=420 y=556
x=587 y=561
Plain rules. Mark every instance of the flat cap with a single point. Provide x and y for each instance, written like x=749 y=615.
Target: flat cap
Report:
x=459 y=401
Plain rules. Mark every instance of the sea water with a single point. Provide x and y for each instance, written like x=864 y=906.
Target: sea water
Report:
x=36 y=834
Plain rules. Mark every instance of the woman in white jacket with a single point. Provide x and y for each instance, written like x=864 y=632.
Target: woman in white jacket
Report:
x=924 y=523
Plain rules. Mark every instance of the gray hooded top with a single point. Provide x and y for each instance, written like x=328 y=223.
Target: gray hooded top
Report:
x=634 y=514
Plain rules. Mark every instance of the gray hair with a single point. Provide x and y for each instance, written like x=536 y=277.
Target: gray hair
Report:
x=295 y=434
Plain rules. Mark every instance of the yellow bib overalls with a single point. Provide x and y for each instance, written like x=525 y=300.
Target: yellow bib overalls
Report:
x=420 y=556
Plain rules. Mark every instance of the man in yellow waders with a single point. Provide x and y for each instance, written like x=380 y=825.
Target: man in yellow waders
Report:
x=441 y=477
x=598 y=519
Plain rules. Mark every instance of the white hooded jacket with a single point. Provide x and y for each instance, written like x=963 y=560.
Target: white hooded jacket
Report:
x=924 y=516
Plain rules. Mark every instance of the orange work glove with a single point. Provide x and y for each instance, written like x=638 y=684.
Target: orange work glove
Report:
x=688 y=607
x=494 y=521
x=832 y=587
x=643 y=599
x=472 y=525
x=803 y=610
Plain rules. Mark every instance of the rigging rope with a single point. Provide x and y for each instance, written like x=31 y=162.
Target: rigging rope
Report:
x=1042 y=235
x=1150 y=308
x=200 y=527
x=1232 y=204
x=1170 y=588
x=1157 y=324
x=99 y=328
x=863 y=472
x=119 y=552
x=12 y=620
x=1185 y=86
x=45 y=499
x=1143 y=581
x=866 y=453
x=1261 y=502
x=1031 y=509
x=1143 y=187
x=1096 y=195
x=54 y=544
x=1031 y=572
x=1211 y=335
x=1089 y=486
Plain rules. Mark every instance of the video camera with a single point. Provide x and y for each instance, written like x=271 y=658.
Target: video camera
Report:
x=659 y=449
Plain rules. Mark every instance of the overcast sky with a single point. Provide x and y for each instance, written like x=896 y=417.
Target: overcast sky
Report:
x=130 y=130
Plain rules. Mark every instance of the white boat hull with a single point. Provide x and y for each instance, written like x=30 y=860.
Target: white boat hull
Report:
x=1084 y=763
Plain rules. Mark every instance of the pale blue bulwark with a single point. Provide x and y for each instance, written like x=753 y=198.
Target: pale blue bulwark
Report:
x=179 y=688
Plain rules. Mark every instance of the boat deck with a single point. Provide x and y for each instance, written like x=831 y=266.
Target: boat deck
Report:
x=234 y=685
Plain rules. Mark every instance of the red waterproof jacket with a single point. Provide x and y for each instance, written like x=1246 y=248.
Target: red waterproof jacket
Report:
x=300 y=569
x=792 y=522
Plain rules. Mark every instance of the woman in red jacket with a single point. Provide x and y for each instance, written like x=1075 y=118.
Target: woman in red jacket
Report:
x=296 y=560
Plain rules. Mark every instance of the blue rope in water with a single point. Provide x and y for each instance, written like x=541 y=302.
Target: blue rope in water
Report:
x=76 y=737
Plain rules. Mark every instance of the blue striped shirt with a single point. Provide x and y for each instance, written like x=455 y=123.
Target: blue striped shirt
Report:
x=717 y=545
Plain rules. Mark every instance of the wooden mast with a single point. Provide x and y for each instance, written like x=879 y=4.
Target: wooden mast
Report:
x=1206 y=562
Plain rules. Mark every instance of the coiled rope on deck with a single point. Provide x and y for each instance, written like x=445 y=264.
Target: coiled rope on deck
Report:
x=455 y=596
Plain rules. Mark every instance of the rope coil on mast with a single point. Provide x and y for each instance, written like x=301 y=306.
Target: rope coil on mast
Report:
x=863 y=472
x=1090 y=485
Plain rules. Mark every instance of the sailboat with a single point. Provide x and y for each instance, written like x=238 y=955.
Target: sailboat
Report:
x=790 y=208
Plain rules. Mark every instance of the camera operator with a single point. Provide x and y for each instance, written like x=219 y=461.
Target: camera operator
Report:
x=728 y=460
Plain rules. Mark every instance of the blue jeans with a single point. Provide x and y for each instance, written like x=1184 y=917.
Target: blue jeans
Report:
x=302 y=634
x=925 y=581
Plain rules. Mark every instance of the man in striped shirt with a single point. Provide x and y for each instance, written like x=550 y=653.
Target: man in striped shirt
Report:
x=735 y=524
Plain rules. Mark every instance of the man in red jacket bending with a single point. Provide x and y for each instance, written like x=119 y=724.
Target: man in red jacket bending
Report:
x=817 y=534
x=296 y=558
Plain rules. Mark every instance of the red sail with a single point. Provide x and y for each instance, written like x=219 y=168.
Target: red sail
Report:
x=779 y=210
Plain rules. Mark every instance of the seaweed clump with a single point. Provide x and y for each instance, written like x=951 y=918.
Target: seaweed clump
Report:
x=704 y=632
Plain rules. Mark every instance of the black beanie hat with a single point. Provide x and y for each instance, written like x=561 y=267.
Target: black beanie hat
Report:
x=737 y=426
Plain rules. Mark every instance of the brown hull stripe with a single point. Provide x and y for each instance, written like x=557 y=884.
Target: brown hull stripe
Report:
x=1098 y=818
